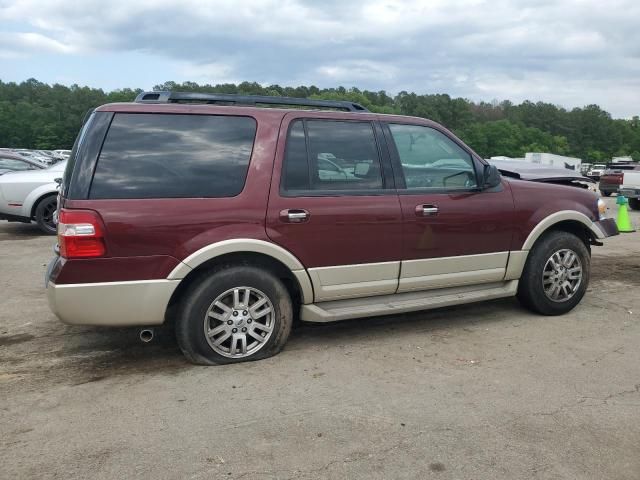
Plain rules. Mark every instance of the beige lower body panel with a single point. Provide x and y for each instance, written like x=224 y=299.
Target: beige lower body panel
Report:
x=405 y=302
x=113 y=304
x=517 y=259
x=352 y=281
x=452 y=271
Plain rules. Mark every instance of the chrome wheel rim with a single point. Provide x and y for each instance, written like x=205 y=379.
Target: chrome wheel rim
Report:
x=239 y=322
x=562 y=275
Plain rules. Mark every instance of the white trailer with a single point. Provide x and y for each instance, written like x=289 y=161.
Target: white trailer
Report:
x=555 y=160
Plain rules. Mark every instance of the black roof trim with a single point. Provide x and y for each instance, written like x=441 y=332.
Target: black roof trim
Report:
x=246 y=100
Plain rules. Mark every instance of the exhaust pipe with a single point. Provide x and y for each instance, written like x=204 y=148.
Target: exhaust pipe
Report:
x=146 y=335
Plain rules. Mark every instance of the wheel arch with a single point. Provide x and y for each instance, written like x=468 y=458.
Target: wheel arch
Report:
x=568 y=220
x=36 y=202
x=266 y=255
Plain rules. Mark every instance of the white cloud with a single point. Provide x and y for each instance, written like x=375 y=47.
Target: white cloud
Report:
x=573 y=52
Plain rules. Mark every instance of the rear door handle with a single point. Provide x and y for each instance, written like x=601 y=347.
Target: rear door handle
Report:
x=294 y=215
x=426 y=210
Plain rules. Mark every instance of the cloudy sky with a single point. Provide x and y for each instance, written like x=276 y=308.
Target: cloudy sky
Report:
x=571 y=53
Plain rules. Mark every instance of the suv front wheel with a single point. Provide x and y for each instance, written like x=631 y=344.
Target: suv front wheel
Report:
x=556 y=274
x=235 y=314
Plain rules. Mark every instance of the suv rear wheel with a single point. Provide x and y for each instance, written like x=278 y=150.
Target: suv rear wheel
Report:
x=634 y=203
x=556 y=275
x=235 y=314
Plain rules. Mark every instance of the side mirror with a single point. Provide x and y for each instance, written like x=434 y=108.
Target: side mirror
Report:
x=490 y=176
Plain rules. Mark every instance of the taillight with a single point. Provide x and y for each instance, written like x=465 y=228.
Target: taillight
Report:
x=80 y=234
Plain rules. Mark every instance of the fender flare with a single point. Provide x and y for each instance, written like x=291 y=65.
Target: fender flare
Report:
x=518 y=258
x=558 y=217
x=269 y=249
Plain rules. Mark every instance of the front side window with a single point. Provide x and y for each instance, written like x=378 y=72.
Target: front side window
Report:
x=431 y=160
x=174 y=156
x=327 y=155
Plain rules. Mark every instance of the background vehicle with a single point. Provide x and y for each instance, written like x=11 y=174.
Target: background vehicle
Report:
x=596 y=171
x=630 y=188
x=552 y=160
x=16 y=163
x=611 y=177
x=31 y=196
x=221 y=219
x=536 y=172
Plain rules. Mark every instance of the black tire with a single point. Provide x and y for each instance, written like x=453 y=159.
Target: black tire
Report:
x=634 y=203
x=197 y=300
x=531 y=293
x=605 y=194
x=44 y=214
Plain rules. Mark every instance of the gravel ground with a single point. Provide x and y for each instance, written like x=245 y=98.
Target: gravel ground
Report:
x=480 y=391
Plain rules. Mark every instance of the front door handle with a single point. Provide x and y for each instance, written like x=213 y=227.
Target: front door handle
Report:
x=294 y=215
x=426 y=210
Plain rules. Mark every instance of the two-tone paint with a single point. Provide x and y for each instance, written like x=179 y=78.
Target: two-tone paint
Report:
x=365 y=254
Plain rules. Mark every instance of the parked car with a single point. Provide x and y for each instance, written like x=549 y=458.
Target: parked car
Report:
x=596 y=171
x=16 y=163
x=611 y=178
x=31 y=196
x=536 y=172
x=217 y=219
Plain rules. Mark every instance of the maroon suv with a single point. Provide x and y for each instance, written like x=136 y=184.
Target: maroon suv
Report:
x=230 y=219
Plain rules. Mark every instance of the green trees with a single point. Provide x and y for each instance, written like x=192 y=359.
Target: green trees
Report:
x=36 y=115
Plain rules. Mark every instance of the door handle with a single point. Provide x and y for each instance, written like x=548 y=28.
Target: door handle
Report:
x=294 y=215
x=426 y=210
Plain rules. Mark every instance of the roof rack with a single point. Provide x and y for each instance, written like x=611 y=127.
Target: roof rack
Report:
x=247 y=100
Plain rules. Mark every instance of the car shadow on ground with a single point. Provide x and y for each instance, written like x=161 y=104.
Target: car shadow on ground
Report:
x=19 y=231
x=86 y=354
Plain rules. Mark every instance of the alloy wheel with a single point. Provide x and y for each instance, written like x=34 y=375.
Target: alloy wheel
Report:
x=239 y=322
x=562 y=275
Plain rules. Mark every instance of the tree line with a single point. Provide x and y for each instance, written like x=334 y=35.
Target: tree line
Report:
x=37 y=115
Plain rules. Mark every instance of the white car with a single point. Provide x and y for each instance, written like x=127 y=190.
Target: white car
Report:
x=31 y=196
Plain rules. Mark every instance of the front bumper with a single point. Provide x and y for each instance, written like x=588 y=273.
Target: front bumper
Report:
x=605 y=228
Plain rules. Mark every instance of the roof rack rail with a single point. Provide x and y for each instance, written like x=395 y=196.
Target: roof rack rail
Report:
x=247 y=100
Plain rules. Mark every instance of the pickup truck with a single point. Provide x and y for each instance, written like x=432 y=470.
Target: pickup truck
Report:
x=630 y=188
x=611 y=178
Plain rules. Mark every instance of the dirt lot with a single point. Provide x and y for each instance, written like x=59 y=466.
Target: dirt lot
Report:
x=486 y=391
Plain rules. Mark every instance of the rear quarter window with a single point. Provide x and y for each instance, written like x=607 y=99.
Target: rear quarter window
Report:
x=174 y=156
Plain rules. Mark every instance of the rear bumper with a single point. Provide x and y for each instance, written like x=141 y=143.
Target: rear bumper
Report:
x=629 y=192
x=608 y=187
x=112 y=304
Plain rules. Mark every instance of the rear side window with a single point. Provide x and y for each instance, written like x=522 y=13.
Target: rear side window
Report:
x=173 y=156
x=328 y=155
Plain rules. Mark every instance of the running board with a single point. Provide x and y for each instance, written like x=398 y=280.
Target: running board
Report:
x=405 y=302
